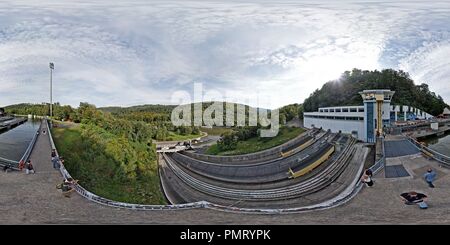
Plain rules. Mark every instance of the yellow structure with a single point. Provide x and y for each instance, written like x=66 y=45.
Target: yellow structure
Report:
x=300 y=148
x=377 y=105
x=312 y=166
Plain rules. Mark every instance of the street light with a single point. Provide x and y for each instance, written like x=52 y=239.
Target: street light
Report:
x=52 y=66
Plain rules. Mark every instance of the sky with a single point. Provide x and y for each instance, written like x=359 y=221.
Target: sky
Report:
x=142 y=52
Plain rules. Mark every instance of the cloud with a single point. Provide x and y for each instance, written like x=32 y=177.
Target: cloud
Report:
x=136 y=52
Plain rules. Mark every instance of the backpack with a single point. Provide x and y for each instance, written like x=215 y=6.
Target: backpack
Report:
x=423 y=205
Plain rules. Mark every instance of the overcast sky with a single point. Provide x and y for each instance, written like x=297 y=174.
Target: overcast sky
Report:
x=140 y=52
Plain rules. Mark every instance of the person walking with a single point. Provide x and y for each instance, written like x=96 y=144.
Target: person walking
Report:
x=429 y=176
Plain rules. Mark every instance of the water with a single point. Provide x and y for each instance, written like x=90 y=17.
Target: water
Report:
x=14 y=143
x=440 y=144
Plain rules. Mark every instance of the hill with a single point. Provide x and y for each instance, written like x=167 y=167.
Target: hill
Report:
x=344 y=91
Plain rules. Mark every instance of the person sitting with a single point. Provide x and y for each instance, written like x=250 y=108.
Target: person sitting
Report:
x=6 y=168
x=369 y=172
x=413 y=197
x=367 y=178
x=29 y=167
x=67 y=187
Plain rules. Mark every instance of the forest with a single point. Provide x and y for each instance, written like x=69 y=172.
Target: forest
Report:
x=344 y=91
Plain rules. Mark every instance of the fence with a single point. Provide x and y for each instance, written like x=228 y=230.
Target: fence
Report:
x=445 y=160
x=14 y=164
x=201 y=204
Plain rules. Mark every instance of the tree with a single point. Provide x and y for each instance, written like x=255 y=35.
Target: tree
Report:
x=344 y=91
x=227 y=141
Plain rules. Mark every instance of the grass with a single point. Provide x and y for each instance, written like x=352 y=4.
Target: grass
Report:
x=177 y=137
x=256 y=144
x=95 y=171
x=216 y=130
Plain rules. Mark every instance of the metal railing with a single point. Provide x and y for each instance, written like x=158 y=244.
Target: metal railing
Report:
x=430 y=152
x=381 y=162
x=322 y=179
x=201 y=204
x=30 y=148
x=14 y=164
x=104 y=201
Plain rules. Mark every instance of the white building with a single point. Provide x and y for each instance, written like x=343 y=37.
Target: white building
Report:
x=364 y=122
x=404 y=113
x=347 y=119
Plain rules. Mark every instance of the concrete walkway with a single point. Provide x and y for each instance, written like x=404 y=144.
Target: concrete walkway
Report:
x=33 y=199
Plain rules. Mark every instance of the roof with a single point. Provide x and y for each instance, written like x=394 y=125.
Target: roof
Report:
x=446 y=111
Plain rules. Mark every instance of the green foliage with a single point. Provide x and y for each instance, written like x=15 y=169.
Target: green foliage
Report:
x=344 y=91
x=256 y=143
x=111 y=164
x=290 y=112
x=216 y=130
x=59 y=112
x=227 y=141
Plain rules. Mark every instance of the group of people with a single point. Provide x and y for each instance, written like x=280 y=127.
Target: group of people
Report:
x=409 y=198
x=67 y=186
x=29 y=168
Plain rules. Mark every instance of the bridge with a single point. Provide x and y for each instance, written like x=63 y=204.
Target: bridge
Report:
x=34 y=199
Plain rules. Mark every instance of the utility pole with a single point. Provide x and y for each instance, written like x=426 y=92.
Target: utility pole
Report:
x=52 y=66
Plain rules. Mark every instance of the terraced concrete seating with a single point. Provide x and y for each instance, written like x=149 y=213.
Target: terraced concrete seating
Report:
x=268 y=154
x=264 y=172
x=324 y=154
x=311 y=185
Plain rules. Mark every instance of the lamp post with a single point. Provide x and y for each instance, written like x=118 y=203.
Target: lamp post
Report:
x=52 y=66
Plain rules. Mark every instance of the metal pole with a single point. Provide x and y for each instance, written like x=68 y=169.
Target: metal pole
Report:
x=51 y=94
x=52 y=66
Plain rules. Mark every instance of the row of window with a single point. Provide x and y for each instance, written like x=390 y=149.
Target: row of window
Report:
x=361 y=109
x=336 y=117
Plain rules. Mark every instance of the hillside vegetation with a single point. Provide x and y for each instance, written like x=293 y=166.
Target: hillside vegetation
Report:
x=344 y=91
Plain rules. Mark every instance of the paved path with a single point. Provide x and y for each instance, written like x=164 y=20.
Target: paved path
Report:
x=33 y=199
x=397 y=148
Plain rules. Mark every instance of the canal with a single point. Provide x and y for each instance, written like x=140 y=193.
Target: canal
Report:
x=440 y=144
x=14 y=142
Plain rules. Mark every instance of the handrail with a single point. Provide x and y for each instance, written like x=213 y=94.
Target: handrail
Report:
x=30 y=148
x=201 y=204
x=381 y=162
x=95 y=198
x=14 y=164
x=434 y=154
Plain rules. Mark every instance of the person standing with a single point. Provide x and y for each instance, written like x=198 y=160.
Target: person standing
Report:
x=55 y=160
x=429 y=176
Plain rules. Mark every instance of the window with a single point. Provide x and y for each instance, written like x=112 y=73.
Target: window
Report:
x=361 y=109
x=331 y=110
x=338 y=110
x=321 y=110
x=352 y=109
x=325 y=110
x=344 y=109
